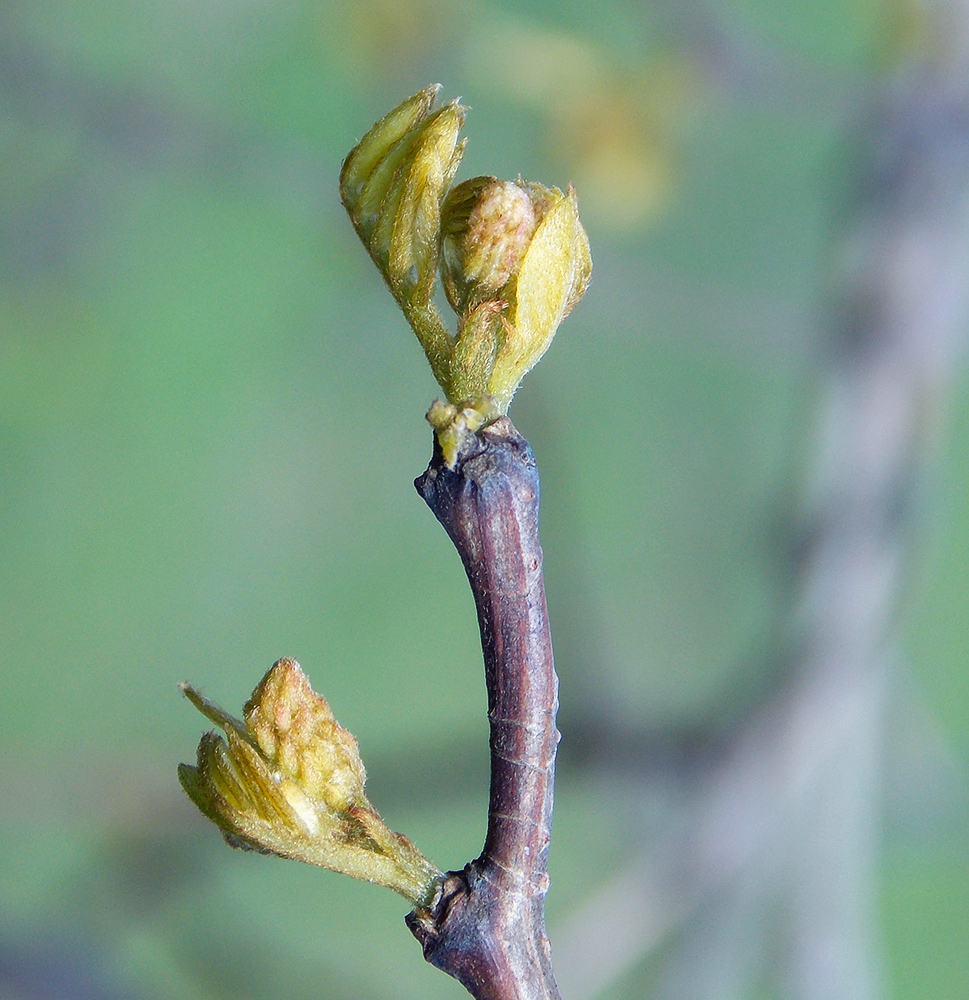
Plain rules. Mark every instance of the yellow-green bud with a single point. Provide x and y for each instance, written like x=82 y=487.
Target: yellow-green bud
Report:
x=520 y=246
x=287 y=779
x=513 y=256
x=392 y=185
x=486 y=226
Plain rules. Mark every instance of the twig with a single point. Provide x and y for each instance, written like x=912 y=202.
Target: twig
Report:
x=486 y=927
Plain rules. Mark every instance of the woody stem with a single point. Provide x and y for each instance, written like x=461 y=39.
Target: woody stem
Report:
x=486 y=927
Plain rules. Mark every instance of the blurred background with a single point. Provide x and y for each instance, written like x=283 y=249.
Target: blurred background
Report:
x=211 y=415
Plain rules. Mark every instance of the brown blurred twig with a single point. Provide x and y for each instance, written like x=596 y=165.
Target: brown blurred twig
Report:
x=774 y=850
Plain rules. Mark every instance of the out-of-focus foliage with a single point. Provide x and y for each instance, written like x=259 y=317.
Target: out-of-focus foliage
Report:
x=192 y=346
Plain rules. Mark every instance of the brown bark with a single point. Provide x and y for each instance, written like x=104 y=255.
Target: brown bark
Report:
x=486 y=928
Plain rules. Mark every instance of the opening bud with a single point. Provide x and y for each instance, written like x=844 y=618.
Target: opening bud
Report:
x=287 y=779
x=519 y=247
x=486 y=226
x=512 y=255
x=392 y=185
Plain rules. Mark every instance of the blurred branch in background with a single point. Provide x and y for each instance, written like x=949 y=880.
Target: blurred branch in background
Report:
x=769 y=853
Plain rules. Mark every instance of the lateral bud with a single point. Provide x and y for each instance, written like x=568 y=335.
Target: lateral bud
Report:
x=287 y=779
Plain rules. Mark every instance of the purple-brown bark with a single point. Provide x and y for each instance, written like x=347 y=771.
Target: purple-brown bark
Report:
x=487 y=926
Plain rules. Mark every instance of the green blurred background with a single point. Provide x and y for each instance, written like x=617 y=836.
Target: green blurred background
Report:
x=211 y=418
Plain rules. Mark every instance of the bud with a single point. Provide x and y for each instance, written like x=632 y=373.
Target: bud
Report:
x=288 y=780
x=554 y=274
x=392 y=185
x=513 y=256
x=520 y=247
x=455 y=424
x=486 y=226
